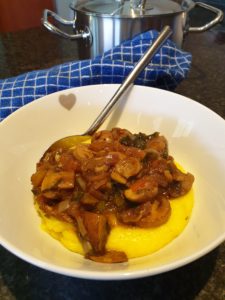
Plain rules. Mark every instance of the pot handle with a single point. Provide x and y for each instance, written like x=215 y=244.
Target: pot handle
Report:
x=217 y=19
x=81 y=34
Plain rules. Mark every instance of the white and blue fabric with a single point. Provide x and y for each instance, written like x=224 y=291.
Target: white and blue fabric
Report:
x=166 y=70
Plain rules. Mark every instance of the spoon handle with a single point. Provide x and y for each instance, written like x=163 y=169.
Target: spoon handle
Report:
x=128 y=82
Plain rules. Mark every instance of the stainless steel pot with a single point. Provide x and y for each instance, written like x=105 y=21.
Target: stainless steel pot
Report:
x=100 y=25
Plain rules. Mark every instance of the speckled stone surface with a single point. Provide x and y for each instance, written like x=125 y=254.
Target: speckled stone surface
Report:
x=203 y=279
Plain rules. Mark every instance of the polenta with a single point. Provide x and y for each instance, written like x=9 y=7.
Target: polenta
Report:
x=118 y=197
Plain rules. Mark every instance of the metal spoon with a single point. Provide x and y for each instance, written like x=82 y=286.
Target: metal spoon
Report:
x=69 y=141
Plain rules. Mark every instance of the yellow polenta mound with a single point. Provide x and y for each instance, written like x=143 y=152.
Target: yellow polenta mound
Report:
x=134 y=241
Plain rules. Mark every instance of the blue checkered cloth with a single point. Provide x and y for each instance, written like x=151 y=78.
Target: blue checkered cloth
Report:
x=166 y=70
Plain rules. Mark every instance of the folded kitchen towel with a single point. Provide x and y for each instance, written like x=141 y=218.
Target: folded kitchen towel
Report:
x=166 y=70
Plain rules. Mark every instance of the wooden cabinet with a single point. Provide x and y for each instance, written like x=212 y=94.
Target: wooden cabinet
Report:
x=22 y=14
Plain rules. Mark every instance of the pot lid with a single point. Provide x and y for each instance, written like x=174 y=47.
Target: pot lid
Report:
x=130 y=9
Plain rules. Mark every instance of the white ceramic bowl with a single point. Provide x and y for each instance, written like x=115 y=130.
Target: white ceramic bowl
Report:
x=196 y=138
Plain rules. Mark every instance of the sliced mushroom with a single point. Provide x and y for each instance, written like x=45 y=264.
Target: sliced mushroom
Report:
x=181 y=183
x=126 y=168
x=37 y=178
x=61 y=180
x=109 y=257
x=142 y=189
x=50 y=180
x=159 y=144
x=182 y=186
x=149 y=214
x=158 y=215
x=93 y=228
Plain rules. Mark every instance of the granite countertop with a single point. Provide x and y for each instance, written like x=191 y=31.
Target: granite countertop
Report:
x=203 y=279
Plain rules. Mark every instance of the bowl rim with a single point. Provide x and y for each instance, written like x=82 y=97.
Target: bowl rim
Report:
x=116 y=275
